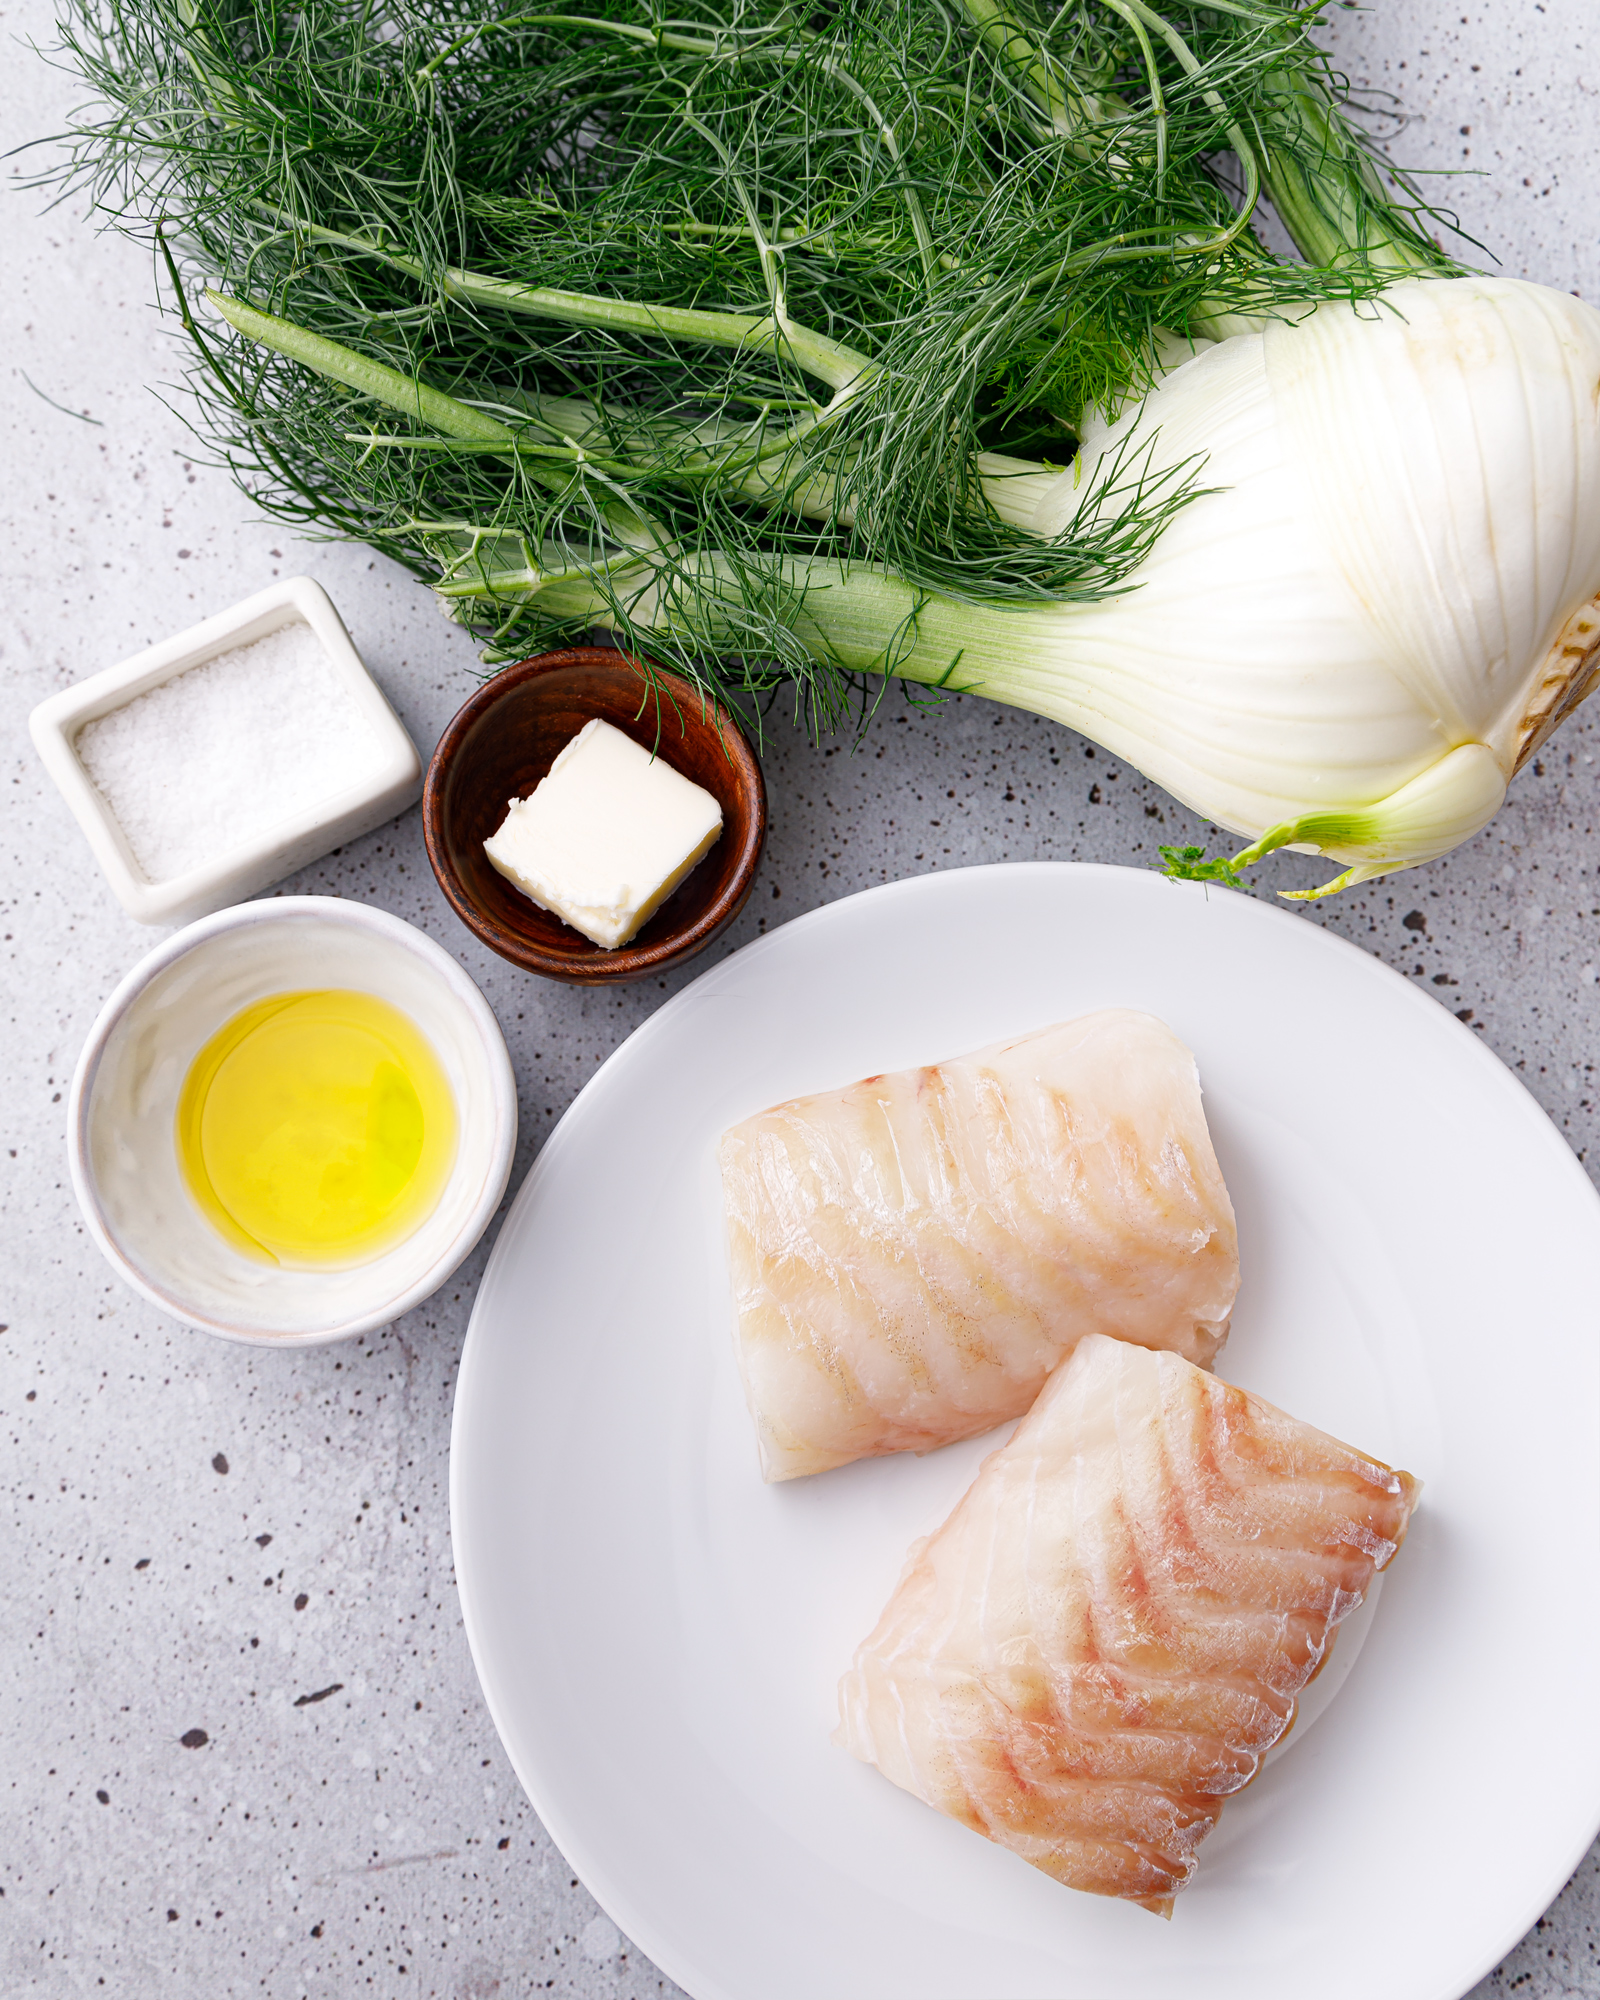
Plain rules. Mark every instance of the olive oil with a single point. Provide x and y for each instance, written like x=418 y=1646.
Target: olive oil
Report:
x=316 y=1129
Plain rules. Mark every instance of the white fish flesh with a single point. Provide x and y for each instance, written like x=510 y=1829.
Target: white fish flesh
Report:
x=912 y=1255
x=1097 y=1648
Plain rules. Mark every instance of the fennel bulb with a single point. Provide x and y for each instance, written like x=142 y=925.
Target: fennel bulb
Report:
x=1389 y=600
x=762 y=339
x=1384 y=602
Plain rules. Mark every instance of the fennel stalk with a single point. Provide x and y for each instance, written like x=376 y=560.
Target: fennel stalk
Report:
x=761 y=339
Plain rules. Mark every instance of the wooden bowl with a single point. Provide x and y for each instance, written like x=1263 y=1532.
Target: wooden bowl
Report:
x=504 y=741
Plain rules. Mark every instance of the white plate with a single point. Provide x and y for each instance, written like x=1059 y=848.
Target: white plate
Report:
x=659 y=1635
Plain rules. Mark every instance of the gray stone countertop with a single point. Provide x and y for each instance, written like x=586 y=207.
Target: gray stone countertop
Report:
x=202 y=1538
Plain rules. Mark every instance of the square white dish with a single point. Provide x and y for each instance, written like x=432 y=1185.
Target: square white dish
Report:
x=389 y=781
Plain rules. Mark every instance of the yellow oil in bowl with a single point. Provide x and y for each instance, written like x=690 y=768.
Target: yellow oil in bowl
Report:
x=316 y=1130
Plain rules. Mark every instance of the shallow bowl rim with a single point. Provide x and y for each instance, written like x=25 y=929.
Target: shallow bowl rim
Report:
x=500 y=1149
x=702 y=709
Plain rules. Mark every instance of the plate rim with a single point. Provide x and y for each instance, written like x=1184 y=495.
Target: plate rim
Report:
x=611 y=1894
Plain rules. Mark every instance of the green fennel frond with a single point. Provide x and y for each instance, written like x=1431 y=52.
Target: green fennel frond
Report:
x=747 y=297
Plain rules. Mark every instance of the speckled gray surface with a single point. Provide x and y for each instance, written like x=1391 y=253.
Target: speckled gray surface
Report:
x=242 y=1747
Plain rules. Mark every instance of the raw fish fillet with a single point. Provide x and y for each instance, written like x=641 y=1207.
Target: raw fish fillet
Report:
x=1098 y=1646
x=913 y=1254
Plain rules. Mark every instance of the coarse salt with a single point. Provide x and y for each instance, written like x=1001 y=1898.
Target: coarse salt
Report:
x=221 y=754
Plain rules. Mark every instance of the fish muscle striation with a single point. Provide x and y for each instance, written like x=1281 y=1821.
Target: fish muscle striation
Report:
x=913 y=1254
x=1096 y=1649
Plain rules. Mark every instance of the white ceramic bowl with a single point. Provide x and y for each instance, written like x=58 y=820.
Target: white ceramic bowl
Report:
x=387 y=782
x=125 y=1169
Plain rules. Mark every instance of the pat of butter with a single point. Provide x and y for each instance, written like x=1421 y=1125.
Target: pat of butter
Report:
x=606 y=837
